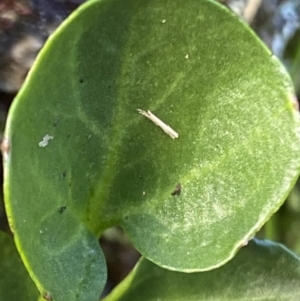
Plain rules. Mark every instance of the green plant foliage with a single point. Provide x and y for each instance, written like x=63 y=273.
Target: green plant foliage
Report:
x=262 y=271
x=291 y=57
x=15 y=283
x=83 y=159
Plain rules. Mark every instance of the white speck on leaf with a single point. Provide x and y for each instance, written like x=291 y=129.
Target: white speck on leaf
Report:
x=41 y=231
x=45 y=141
x=187 y=56
x=144 y=193
x=163 y=21
x=167 y=129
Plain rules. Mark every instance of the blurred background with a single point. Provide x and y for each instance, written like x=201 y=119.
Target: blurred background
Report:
x=25 y=25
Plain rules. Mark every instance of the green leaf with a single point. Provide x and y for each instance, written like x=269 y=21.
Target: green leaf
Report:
x=82 y=159
x=291 y=57
x=262 y=271
x=15 y=283
x=63 y=257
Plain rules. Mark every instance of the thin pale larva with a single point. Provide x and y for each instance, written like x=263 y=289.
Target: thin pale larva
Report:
x=167 y=129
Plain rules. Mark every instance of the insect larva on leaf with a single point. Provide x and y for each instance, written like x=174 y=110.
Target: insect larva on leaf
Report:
x=167 y=129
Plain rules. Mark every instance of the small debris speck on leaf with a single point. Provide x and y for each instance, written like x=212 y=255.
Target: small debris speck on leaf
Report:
x=47 y=296
x=45 y=140
x=62 y=209
x=177 y=190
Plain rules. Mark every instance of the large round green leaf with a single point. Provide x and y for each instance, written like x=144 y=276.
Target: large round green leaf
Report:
x=81 y=157
x=262 y=271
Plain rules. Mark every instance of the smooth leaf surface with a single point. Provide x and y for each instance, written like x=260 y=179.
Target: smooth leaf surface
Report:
x=261 y=271
x=15 y=283
x=82 y=158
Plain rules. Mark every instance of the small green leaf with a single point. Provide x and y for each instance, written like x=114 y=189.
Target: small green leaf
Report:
x=15 y=283
x=262 y=271
x=82 y=159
